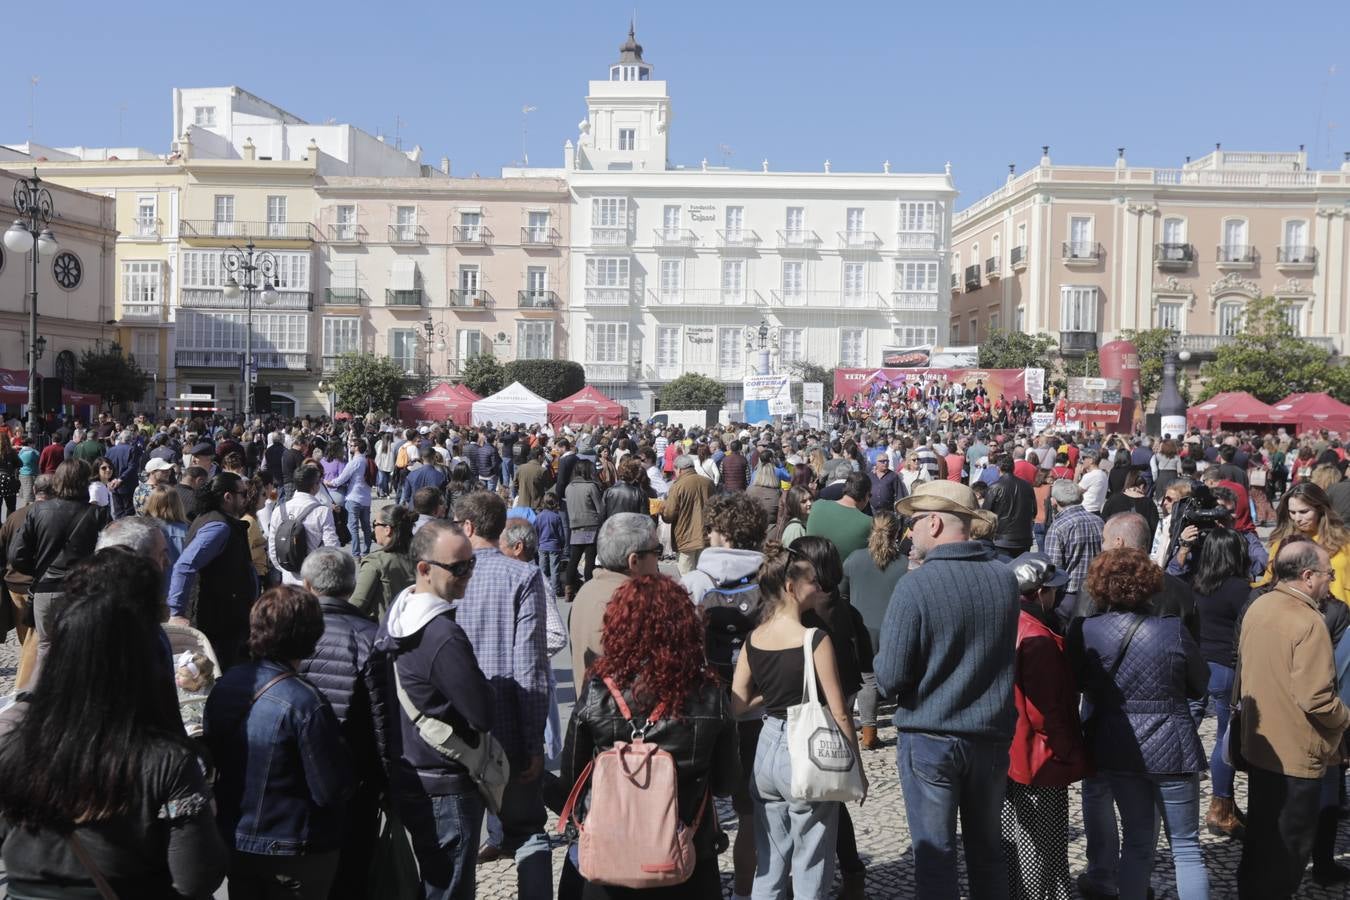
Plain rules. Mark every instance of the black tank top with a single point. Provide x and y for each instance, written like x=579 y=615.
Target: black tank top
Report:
x=778 y=675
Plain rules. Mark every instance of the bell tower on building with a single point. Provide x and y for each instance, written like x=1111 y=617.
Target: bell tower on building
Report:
x=627 y=117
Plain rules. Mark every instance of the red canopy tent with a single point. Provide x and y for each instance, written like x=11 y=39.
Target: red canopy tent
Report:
x=1235 y=408
x=1316 y=411
x=444 y=401
x=14 y=389
x=586 y=407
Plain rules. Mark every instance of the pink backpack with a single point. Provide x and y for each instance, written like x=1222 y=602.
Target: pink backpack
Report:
x=633 y=836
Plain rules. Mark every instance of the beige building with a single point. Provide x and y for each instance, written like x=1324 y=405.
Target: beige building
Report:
x=432 y=272
x=74 y=284
x=1083 y=252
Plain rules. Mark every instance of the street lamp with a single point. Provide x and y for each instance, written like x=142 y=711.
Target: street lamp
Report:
x=242 y=268
x=439 y=332
x=761 y=338
x=328 y=386
x=30 y=234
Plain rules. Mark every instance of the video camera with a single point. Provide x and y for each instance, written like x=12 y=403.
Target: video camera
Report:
x=1200 y=509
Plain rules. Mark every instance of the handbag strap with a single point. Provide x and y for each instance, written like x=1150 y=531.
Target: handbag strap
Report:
x=809 y=669
x=268 y=686
x=1124 y=647
x=652 y=717
x=105 y=889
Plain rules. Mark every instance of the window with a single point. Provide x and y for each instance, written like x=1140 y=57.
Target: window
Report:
x=200 y=268
x=1077 y=308
x=141 y=287
x=147 y=350
x=1293 y=314
x=918 y=336
x=1168 y=316
x=609 y=212
x=1230 y=318
x=993 y=323
x=795 y=224
x=1234 y=240
x=345 y=230
x=1296 y=241
x=731 y=351
x=956 y=334
x=469 y=281
x=852 y=343
x=405 y=223
x=1080 y=230
x=975 y=330
x=280 y=332
x=538 y=226
x=668 y=347
x=735 y=222
x=1022 y=236
x=204 y=116
x=1020 y=319
x=276 y=216
x=627 y=138
x=670 y=222
x=224 y=214
x=855 y=222
x=794 y=278
x=733 y=281
x=147 y=216
x=918 y=216
x=534 y=340
x=791 y=345
x=995 y=251
x=916 y=276
x=607 y=272
x=672 y=271
x=855 y=280
x=341 y=334
x=607 y=342
x=468 y=343
x=292 y=271
x=1174 y=231
x=536 y=281
x=470 y=226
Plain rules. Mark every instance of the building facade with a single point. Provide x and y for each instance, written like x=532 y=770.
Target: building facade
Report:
x=1084 y=252
x=677 y=270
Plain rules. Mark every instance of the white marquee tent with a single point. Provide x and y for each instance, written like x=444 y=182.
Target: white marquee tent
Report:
x=514 y=403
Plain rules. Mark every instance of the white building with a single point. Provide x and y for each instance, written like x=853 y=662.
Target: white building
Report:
x=675 y=269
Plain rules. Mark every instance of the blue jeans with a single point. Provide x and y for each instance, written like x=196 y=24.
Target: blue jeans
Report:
x=1220 y=695
x=508 y=470
x=522 y=820
x=382 y=482
x=1038 y=536
x=944 y=775
x=792 y=837
x=550 y=562
x=1103 y=840
x=1141 y=798
x=444 y=835
x=358 y=520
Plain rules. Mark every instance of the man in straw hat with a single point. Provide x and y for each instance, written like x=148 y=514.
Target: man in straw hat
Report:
x=946 y=658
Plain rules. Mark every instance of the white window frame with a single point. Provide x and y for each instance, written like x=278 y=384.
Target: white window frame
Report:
x=671 y=280
x=607 y=272
x=609 y=212
x=627 y=139
x=794 y=285
x=917 y=276
x=855 y=221
x=538 y=222
x=853 y=281
x=1305 y=241
x=1177 y=305
x=795 y=232
x=468 y=344
x=669 y=344
x=1296 y=313
x=536 y=280
x=204 y=116
x=918 y=216
x=534 y=339
x=607 y=343
x=1244 y=229
x=405 y=222
x=858 y=338
x=470 y=225
x=730 y=351
x=469 y=279
x=918 y=335
x=142 y=283
x=147 y=215
x=222 y=212
x=733 y=281
x=344 y=219
x=670 y=221
x=276 y=215
x=791 y=346
x=340 y=334
x=1229 y=315
x=1078 y=307
x=1178 y=226
x=735 y=222
x=200 y=269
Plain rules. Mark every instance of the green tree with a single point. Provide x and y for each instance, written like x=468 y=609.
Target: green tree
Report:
x=1269 y=360
x=483 y=375
x=692 y=391
x=552 y=379
x=1015 y=350
x=111 y=375
x=1152 y=346
x=809 y=371
x=366 y=382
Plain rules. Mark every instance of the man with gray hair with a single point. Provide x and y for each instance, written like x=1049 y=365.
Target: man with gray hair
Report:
x=141 y=536
x=626 y=547
x=684 y=507
x=1072 y=542
x=347 y=673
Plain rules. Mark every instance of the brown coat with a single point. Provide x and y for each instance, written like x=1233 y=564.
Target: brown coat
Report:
x=586 y=623
x=533 y=480
x=684 y=511
x=1292 y=716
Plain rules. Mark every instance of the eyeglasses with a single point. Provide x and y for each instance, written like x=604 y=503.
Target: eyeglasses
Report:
x=459 y=569
x=648 y=551
x=1327 y=572
x=382 y=525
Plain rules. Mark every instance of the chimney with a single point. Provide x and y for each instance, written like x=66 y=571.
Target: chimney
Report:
x=886 y=167
x=185 y=144
x=1045 y=154
x=445 y=165
x=312 y=151
x=827 y=167
x=569 y=156
x=1345 y=165
x=250 y=152
x=1120 y=157
x=1012 y=171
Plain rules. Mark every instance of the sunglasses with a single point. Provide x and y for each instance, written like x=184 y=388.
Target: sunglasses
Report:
x=460 y=569
x=648 y=551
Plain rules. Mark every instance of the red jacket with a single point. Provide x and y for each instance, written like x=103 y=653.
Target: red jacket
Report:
x=1047 y=747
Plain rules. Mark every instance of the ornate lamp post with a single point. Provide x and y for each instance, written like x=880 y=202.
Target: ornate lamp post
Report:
x=243 y=268
x=438 y=331
x=30 y=234
x=761 y=339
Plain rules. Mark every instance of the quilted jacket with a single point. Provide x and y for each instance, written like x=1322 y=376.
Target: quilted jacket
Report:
x=1140 y=721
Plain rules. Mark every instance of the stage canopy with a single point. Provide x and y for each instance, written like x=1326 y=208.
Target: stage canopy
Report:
x=444 y=401
x=514 y=403
x=1317 y=411
x=586 y=407
x=14 y=389
x=1235 y=409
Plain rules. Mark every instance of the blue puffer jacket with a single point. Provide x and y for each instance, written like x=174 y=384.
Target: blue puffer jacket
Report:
x=1140 y=721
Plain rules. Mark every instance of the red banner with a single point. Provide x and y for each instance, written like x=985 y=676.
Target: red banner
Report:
x=1087 y=411
x=1008 y=383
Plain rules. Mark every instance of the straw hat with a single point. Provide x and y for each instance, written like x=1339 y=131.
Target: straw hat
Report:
x=947 y=497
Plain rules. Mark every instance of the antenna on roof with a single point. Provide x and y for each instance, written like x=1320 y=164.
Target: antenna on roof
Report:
x=32 y=107
x=524 y=130
x=726 y=153
x=398 y=130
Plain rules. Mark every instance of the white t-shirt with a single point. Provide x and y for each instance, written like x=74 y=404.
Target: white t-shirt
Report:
x=99 y=494
x=1094 y=490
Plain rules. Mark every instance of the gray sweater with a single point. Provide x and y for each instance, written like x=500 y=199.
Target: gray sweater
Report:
x=948 y=643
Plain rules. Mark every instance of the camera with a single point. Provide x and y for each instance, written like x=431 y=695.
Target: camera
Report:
x=1200 y=509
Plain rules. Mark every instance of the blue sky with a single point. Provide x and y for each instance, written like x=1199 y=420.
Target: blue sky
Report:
x=978 y=84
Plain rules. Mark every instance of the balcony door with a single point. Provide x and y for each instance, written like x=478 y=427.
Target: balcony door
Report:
x=536 y=285
x=1080 y=236
x=1295 y=240
x=1234 y=239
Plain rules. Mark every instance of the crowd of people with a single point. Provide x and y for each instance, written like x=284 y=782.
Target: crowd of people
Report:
x=237 y=664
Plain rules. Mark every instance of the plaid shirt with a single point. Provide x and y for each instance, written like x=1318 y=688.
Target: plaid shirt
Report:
x=504 y=616
x=1073 y=542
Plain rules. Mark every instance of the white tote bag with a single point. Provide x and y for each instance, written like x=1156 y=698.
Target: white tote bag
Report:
x=824 y=766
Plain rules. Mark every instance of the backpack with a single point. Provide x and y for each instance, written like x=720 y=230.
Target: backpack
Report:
x=632 y=836
x=731 y=611
x=290 y=543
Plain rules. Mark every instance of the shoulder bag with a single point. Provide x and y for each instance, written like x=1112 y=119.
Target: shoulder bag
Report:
x=824 y=766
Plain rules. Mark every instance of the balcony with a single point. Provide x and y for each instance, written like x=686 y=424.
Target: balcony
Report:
x=737 y=241
x=914 y=301
x=346 y=233
x=972 y=277
x=827 y=300
x=471 y=236
x=538 y=300
x=403 y=298
x=233 y=359
x=858 y=241
x=1235 y=256
x=1206 y=345
x=956 y=281
x=345 y=297
x=1017 y=258
x=674 y=239
x=700 y=297
x=1077 y=343
x=1173 y=257
x=143 y=313
x=470 y=299
x=611 y=236
x=619 y=373
x=916 y=240
x=214 y=298
x=407 y=234
x=798 y=240
x=1081 y=253
x=991 y=268
x=609 y=296
x=1295 y=257
x=538 y=236
x=143 y=230
x=210 y=229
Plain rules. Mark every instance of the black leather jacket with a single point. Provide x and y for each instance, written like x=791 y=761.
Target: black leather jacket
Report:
x=623 y=497
x=703 y=741
x=55 y=536
x=1014 y=502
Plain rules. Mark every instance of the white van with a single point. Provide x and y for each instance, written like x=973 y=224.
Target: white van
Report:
x=683 y=418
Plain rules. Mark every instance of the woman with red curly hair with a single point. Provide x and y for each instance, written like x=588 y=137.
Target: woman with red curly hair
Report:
x=654 y=656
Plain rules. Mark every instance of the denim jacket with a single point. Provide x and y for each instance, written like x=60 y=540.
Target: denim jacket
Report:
x=284 y=772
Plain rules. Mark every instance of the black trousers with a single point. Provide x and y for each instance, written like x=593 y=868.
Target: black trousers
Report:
x=1281 y=822
x=703 y=884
